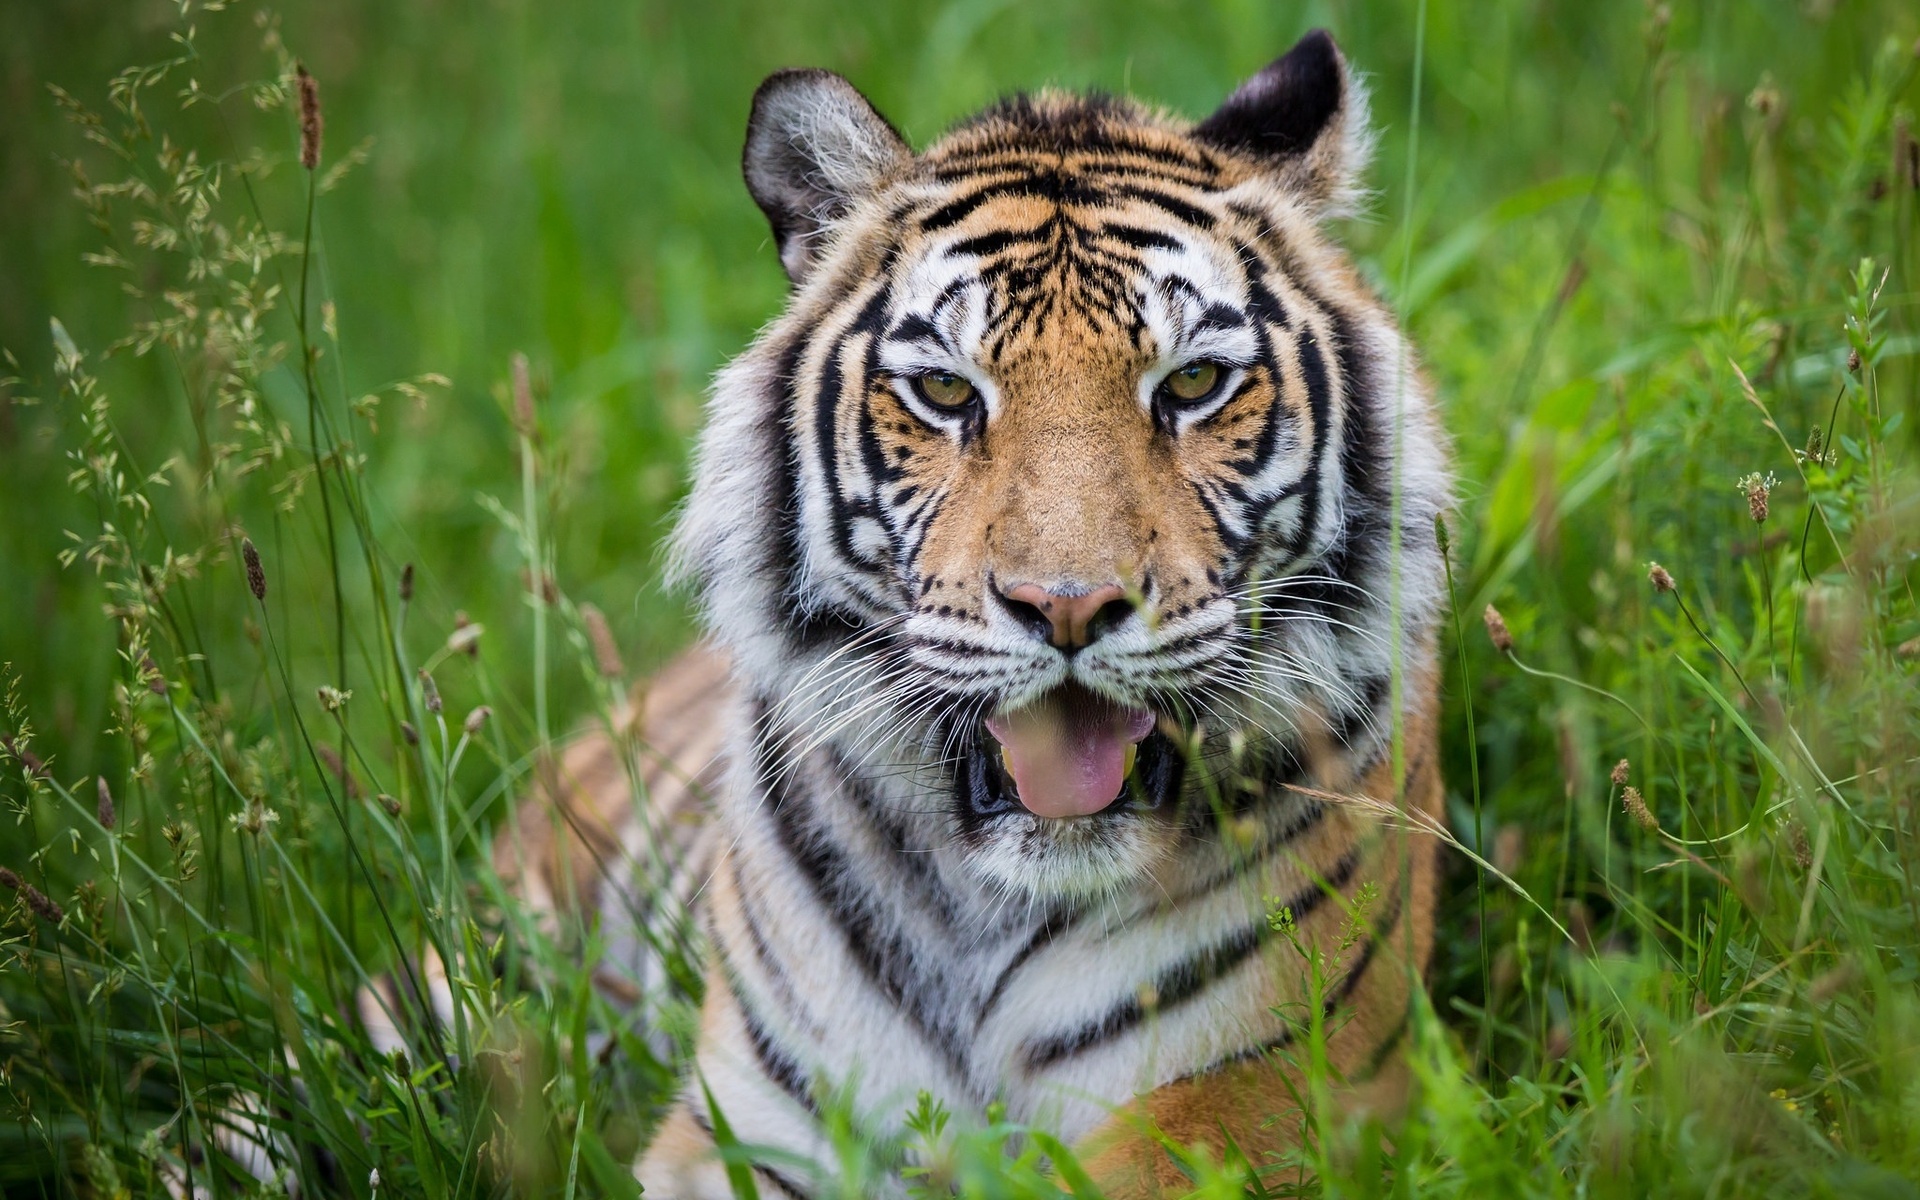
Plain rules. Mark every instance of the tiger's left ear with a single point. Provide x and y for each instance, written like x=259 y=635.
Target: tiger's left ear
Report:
x=815 y=147
x=1303 y=117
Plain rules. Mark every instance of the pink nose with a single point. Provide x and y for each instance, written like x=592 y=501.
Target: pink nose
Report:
x=1073 y=619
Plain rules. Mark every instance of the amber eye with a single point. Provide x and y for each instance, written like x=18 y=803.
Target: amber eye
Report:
x=943 y=389
x=1195 y=381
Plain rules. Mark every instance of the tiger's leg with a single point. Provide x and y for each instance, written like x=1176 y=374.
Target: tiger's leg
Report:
x=683 y=1163
x=730 y=1072
x=1256 y=1101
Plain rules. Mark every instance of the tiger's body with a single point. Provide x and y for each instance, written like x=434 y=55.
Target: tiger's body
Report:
x=973 y=543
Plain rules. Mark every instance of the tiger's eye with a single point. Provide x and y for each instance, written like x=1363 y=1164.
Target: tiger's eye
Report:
x=943 y=389
x=1195 y=381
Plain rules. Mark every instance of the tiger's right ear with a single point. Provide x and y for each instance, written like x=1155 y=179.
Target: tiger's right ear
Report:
x=815 y=146
x=1304 y=118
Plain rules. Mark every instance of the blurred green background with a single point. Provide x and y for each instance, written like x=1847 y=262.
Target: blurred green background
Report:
x=1589 y=215
x=561 y=179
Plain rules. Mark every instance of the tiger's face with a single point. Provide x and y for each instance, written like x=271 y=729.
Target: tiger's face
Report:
x=1067 y=478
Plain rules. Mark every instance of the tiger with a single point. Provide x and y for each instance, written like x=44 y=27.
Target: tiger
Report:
x=1065 y=550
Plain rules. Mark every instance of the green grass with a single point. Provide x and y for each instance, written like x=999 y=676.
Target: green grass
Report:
x=1636 y=253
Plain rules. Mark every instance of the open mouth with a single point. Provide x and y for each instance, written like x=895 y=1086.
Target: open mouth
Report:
x=1072 y=753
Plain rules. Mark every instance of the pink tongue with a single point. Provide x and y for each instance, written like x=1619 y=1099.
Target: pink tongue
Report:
x=1068 y=754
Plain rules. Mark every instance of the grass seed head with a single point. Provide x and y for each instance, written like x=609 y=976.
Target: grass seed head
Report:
x=1636 y=806
x=104 y=811
x=27 y=758
x=256 y=574
x=406 y=583
x=606 y=652
x=312 y=125
x=1816 y=445
x=37 y=900
x=1497 y=630
x=465 y=638
x=1798 y=845
x=430 y=693
x=545 y=588
x=337 y=766
x=1619 y=775
x=1853 y=362
x=254 y=818
x=476 y=720
x=523 y=421
x=1758 y=488
x=408 y=732
x=1658 y=577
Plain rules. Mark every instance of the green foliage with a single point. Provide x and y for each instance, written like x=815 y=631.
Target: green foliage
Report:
x=1663 y=269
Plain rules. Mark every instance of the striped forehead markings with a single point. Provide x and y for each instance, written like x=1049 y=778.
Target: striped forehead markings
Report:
x=1117 y=157
x=1068 y=186
x=1106 y=259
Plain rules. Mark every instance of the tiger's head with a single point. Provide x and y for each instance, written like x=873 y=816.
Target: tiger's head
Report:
x=1080 y=460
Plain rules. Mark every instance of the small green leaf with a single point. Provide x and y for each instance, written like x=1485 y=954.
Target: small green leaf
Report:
x=739 y=1173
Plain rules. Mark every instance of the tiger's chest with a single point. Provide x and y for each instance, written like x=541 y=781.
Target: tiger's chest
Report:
x=848 y=962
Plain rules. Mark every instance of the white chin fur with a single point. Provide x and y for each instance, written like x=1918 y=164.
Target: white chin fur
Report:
x=1077 y=857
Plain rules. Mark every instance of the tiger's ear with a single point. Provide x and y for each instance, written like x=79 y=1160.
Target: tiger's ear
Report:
x=815 y=146
x=1305 y=118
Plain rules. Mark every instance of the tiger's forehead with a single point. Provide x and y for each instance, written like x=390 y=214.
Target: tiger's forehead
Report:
x=1006 y=239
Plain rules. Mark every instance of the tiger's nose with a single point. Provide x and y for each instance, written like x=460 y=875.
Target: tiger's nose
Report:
x=1069 y=621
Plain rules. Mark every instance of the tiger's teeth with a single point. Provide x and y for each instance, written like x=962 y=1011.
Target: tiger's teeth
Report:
x=1127 y=760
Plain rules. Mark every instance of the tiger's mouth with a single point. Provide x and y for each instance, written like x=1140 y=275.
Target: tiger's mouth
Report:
x=1070 y=754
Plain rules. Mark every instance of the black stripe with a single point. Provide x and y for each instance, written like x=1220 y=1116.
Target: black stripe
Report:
x=984 y=244
x=878 y=947
x=1140 y=239
x=1313 y=374
x=775 y=1063
x=915 y=869
x=913 y=328
x=1363 y=450
x=1305 y=818
x=786 y=1185
x=1373 y=694
x=1042 y=185
x=789 y=551
x=1184 y=980
x=770 y=965
x=1386 y=1046
x=1018 y=131
x=827 y=400
x=1229 y=540
x=1333 y=999
x=1051 y=927
x=1199 y=218
x=1220 y=316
